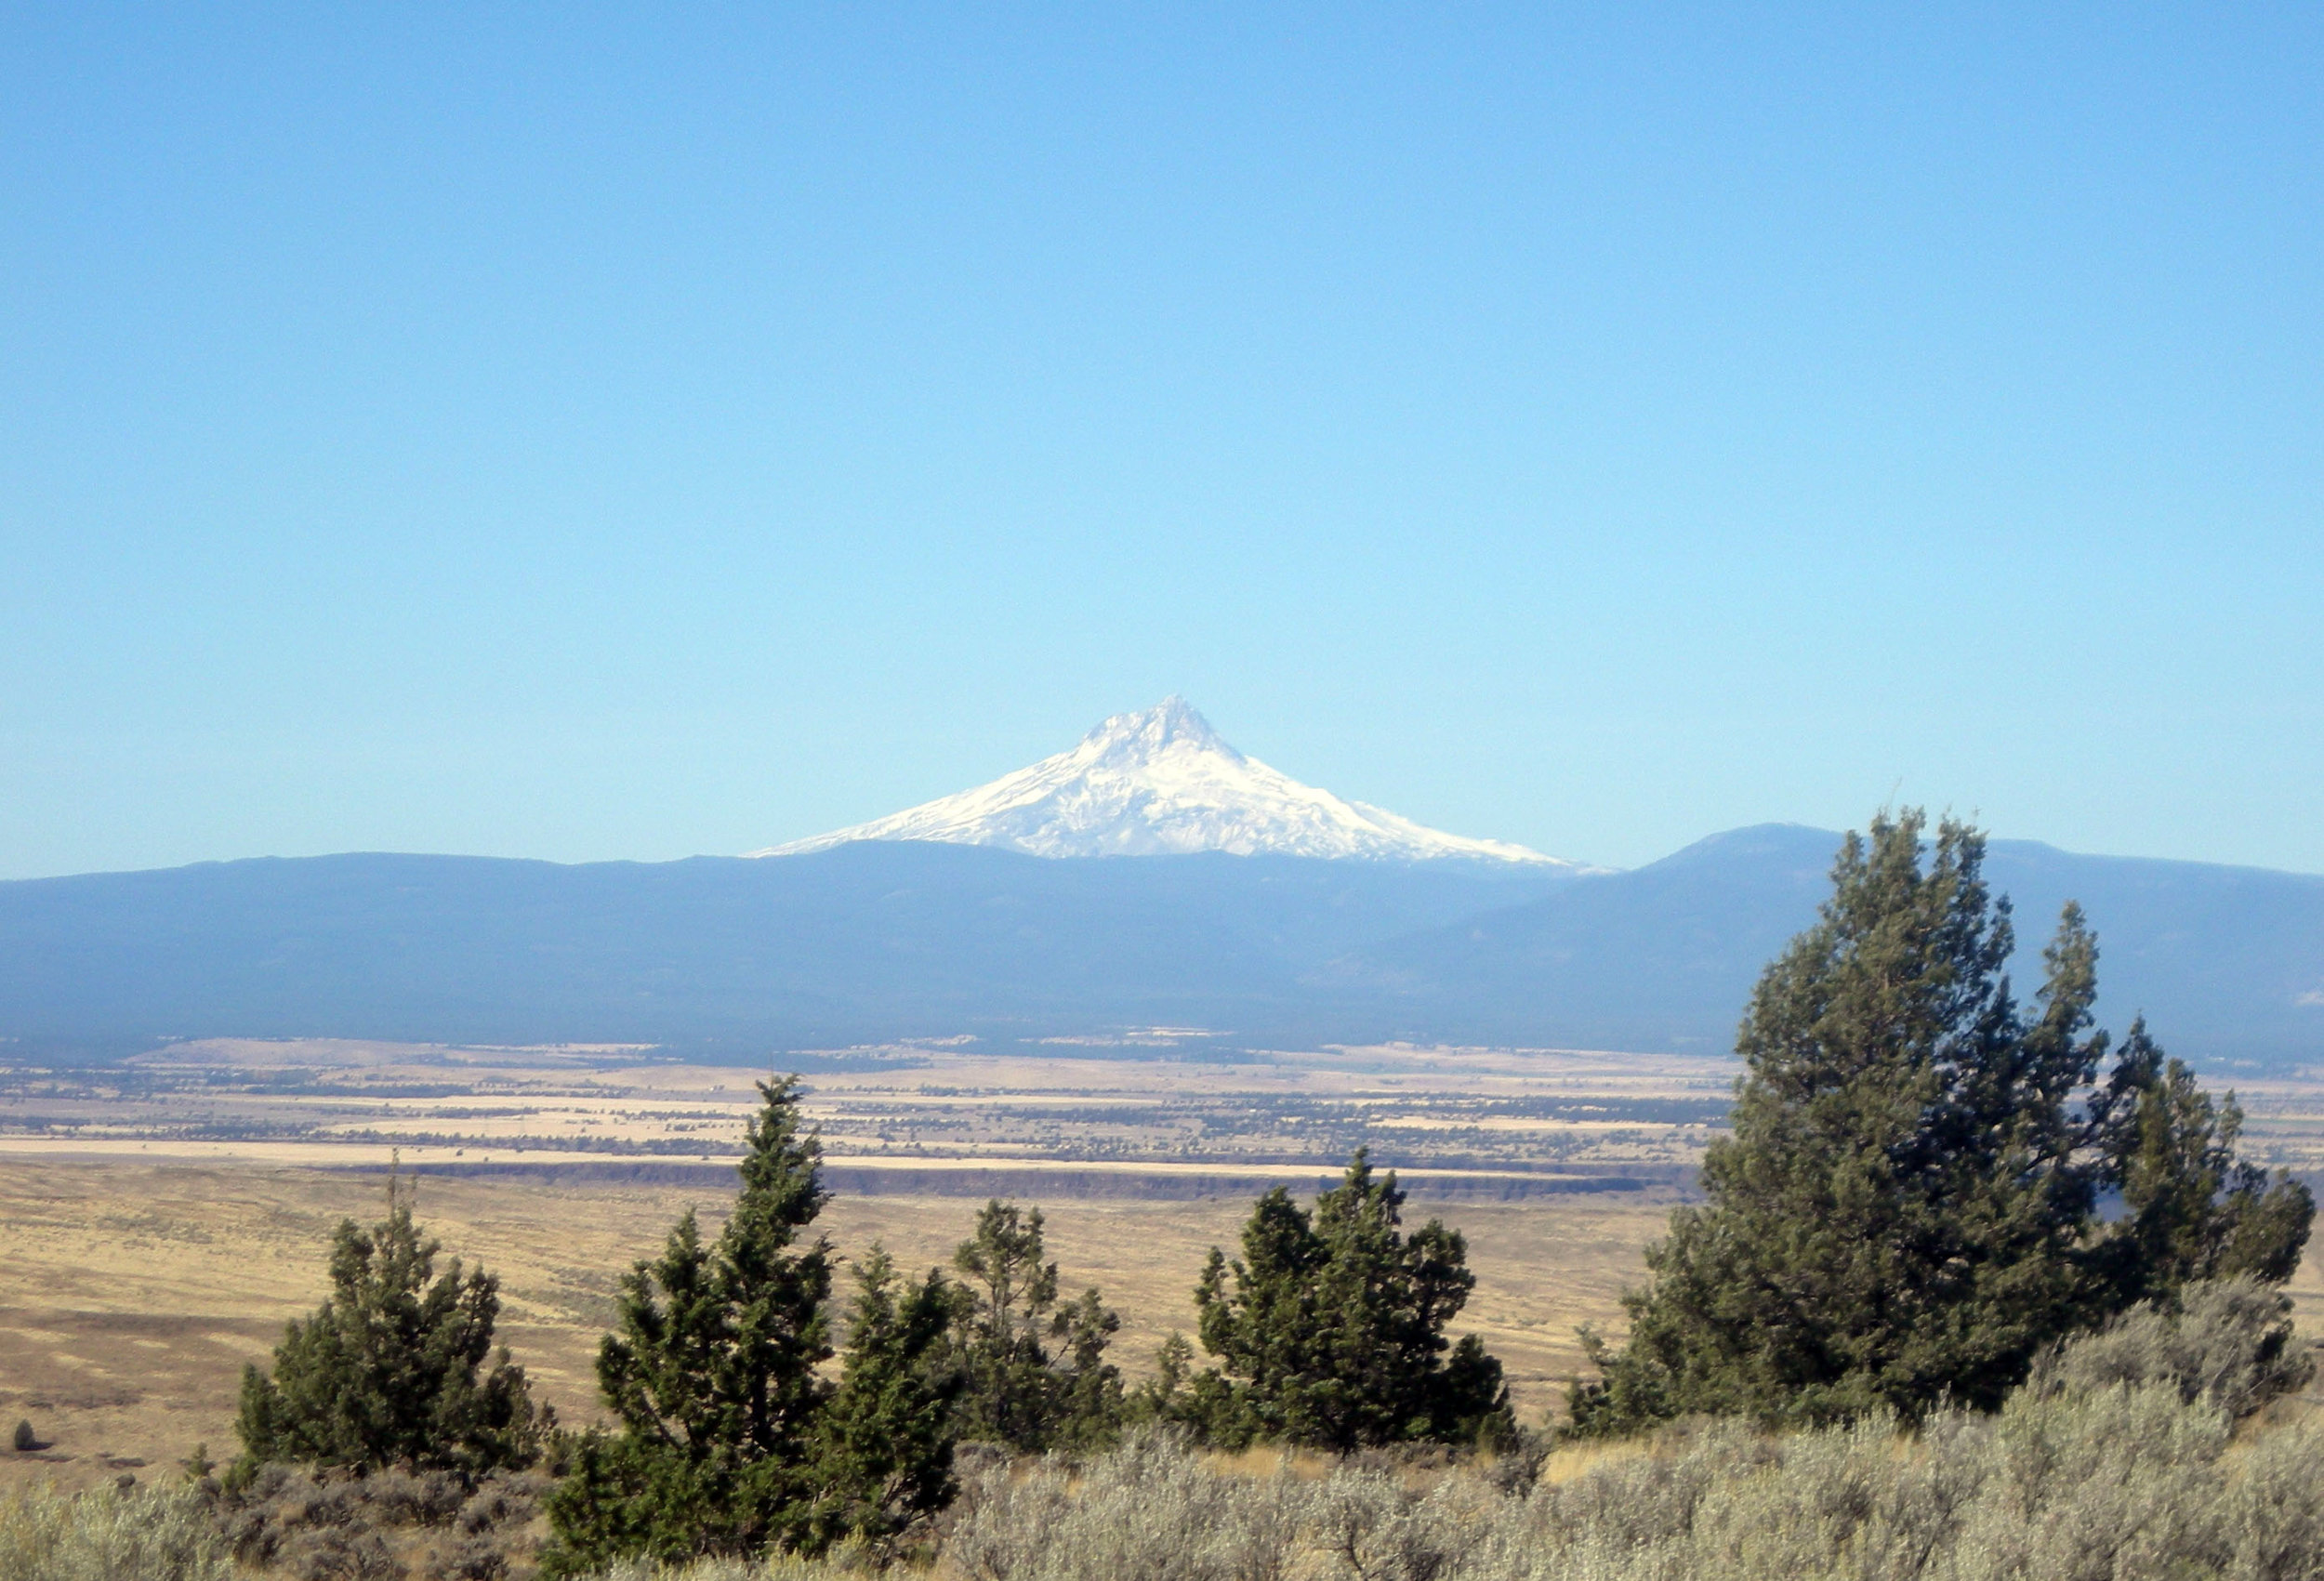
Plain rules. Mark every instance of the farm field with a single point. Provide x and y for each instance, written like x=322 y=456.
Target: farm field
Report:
x=1165 y=1102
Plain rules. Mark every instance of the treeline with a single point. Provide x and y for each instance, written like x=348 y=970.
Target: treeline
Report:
x=1928 y=1189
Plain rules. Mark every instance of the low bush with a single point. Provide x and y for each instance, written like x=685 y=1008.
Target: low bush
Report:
x=1150 y=1510
x=392 y=1525
x=844 y=1563
x=2135 y=1453
x=111 y=1536
x=2230 y=1344
x=2123 y=1482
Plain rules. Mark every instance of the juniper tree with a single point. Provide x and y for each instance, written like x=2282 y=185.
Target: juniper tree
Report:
x=2192 y=1210
x=1034 y=1373
x=883 y=1449
x=397 y=1366
x=1905 y=1211
x=1330 y=1327
x=712 y=1375
x=1090 y=1403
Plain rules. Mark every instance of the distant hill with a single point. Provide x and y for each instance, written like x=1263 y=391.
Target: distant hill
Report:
x=860 y=943
x=875 y=941
x=2227 y=962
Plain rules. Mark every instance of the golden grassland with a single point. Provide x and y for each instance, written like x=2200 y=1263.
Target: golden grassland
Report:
x=160 y=1223
x=131 y=1294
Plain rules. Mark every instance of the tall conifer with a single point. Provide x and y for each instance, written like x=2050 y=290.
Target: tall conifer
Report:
x=2192 y=1210
x=1905 y=1211
x=713 y=1375
x=883 y=1453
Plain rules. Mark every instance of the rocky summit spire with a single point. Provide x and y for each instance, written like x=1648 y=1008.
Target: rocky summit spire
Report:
x=1161 y=781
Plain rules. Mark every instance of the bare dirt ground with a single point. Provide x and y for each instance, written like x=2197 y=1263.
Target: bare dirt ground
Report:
x=161 y=1220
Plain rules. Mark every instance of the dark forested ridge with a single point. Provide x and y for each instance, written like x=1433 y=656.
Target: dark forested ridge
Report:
x=875 y=942
x=861 y=942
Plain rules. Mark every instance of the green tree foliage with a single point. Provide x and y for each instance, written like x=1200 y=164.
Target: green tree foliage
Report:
x=1091 y=1407
x=2192 y=1210
x=713 y=1375
x=1034 y=1373
x=731 y=1442
x=1330 y=1328
x=1905 y=1209
x=883 y=1453
x=396 y=1367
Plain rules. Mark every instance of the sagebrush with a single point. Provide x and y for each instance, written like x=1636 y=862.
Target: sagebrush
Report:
x=2128 y=1483
x=136 y=1535
x=2120 y=1461
x=395 y=1525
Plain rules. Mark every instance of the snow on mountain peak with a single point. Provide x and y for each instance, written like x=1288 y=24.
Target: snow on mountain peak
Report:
x=1162 y=781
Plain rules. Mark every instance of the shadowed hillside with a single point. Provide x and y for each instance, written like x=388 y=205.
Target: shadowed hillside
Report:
x=874 y=942
x=2227 y=962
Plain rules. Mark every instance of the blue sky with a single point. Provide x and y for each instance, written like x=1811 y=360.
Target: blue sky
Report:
x=579 y=433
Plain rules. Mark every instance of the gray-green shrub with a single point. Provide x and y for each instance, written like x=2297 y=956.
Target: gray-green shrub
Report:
x=2121 y=1462
x=426 y=1525
x=2121 y=1483
x=2229 y=1342
x=844 y=1561
x=1150 y=1510
x=113 y=1535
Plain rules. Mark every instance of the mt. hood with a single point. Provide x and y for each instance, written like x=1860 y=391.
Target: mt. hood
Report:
x=1162 y=783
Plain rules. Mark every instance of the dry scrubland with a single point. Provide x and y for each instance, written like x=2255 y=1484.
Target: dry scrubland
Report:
x=130 y=1295
x=159 y=1230
x=163 y=1219
x=2121 y=1473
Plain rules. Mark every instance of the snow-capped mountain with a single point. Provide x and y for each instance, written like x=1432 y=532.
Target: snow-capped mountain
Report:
x=1162 y=783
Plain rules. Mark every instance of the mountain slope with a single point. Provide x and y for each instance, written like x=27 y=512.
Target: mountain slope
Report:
x=1163 y=783
x=2227 y=962
x=863 y=942
x=879 y=940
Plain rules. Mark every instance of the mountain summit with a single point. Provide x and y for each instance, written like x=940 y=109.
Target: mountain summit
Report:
x=1162 y=783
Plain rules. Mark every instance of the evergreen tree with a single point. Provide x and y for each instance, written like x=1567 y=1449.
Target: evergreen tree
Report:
x=1018 y=1390
x=1176 y=1394
x=397 y=1367
x=1331 y=1327
x=883 y=1454
x=1905 y=1211
x=1091 y=1404
x=2192 y=1210
x=713 y=1375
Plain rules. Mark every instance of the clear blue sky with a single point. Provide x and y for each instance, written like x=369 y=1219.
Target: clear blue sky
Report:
x=578 y=434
